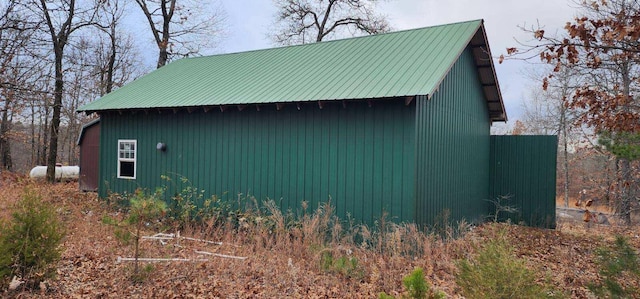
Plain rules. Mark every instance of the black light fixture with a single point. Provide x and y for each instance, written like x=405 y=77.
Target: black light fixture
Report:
x=161 y=146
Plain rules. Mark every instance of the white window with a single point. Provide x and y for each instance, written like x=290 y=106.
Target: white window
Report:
x=127 y=159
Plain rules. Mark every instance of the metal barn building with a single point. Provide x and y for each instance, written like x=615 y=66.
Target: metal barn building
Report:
x=395 y=123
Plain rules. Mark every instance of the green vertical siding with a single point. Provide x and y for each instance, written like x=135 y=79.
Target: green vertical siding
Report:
x=452 y=147
x=524 y=168
x=360 y=156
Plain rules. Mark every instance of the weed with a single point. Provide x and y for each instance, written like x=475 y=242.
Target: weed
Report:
x=30 y=243
x=445 y=229
x=188 y=207
x=502 y=205
x=184 y=204
x=615 y=262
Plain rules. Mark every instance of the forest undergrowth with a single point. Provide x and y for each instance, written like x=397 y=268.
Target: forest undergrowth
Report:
x=266 y=253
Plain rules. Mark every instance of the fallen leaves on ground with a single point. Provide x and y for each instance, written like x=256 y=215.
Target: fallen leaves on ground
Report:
x=89 y=268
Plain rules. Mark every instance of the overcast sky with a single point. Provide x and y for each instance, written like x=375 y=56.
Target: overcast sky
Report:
x=248 y=21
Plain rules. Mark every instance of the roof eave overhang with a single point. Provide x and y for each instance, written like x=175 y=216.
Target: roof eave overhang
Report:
x=408 y=99
x=85 y=127
x=486 y=71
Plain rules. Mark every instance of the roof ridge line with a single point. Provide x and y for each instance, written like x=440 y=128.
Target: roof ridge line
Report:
x=334 y=40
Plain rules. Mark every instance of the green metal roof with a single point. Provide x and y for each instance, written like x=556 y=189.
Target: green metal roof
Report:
x=398 y=64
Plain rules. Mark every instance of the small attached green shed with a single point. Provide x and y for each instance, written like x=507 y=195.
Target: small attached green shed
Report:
x=395 y=123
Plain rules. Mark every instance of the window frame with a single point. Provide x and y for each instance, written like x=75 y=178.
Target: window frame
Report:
x=134 y=159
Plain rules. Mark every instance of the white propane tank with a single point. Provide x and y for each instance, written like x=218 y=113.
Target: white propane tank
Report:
x=63 y=173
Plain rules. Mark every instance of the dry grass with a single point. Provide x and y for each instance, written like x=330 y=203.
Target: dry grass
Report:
x=285 y=258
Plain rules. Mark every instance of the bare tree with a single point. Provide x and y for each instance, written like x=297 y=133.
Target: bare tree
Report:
x=111 y=14
x=545 y=113
x=40 y=110
x=9 y=44
x=181 y=28
x=34 y=109
x=305 y=21
x=61 y=19
x=15 y=71
x=605 y=40
x=111 y=71
x=114 y=58
x=45 y=74
x=78 y=90
x=96 y=63
x=99 y=60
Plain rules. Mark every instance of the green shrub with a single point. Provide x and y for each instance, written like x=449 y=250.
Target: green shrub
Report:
x=416 y=287
x=497 y=273
x=347 y=266
x=188 y=206
x=183 y=205
x=615 y=262
x=30 y=242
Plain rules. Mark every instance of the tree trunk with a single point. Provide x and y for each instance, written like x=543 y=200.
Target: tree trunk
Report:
x=43 y=135
x=5 y=145
x=167 y=14
x=566 y=169
x=626 y=192
x=32 y=160
x=112 y=59
x=608 y=180
x=55 y=118
x=162 y=57
x=565 y=153
x=628 y=183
